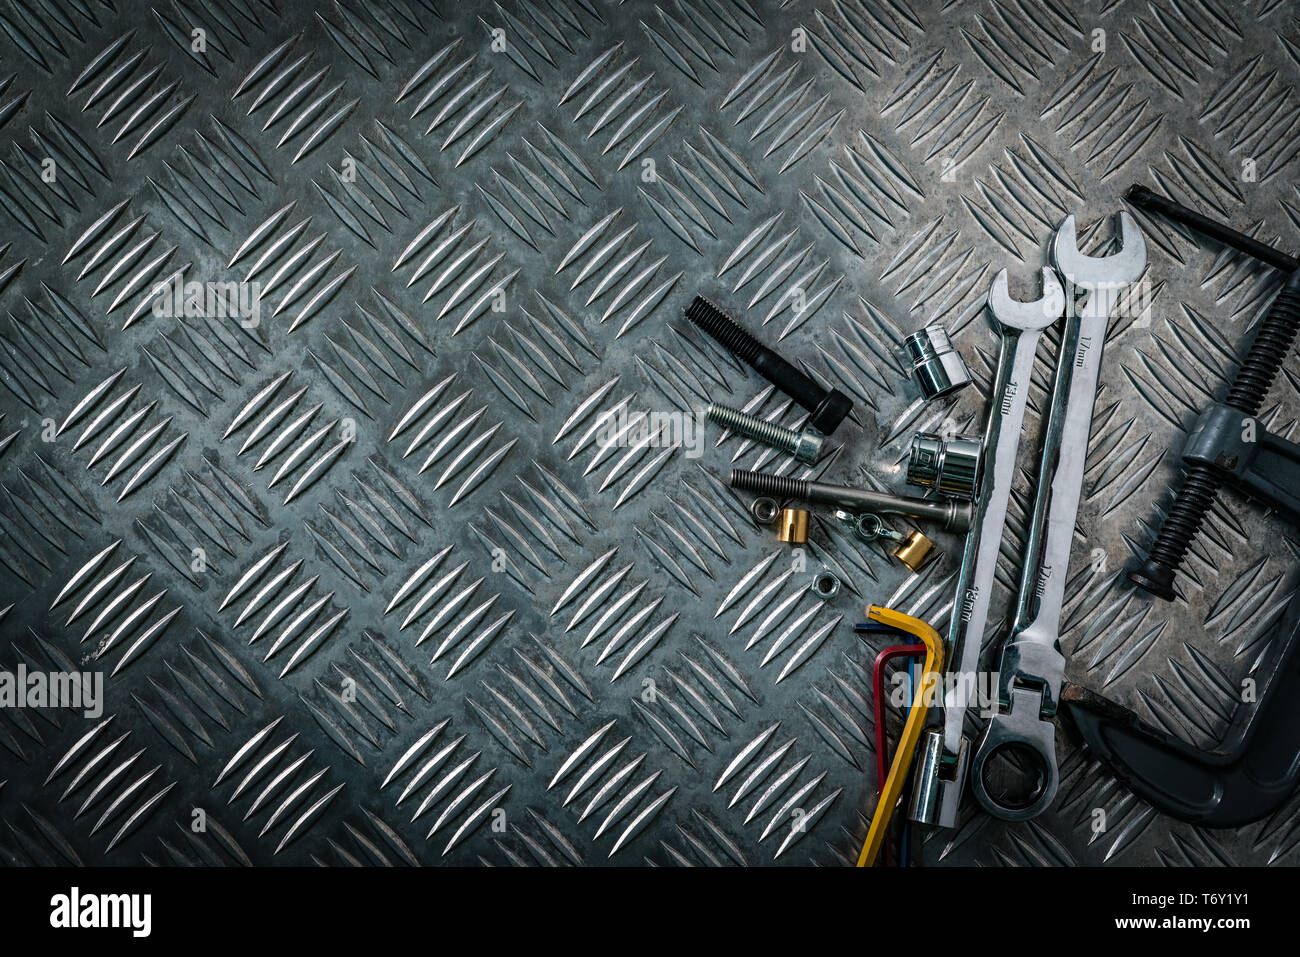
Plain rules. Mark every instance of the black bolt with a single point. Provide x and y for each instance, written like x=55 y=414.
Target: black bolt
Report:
x=1254 y=378
x=828 y=406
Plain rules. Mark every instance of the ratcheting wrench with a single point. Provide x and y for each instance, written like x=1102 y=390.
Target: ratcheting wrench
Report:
x=1032 y=665
x=1021 y=325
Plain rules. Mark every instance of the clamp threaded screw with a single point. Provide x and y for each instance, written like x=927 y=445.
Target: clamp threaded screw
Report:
x=1255 y=376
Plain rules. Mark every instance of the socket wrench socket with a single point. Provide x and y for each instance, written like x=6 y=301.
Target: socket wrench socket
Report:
x=950 y=467
x=937 y=367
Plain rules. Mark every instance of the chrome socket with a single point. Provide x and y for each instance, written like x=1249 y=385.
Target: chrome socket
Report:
x=937 y=367
x=926 y=779
x=950 y=467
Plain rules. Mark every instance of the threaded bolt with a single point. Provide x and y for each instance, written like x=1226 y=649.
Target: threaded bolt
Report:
x=950 y=514
x=806 y=446
x=827 y=407
x=724 y=329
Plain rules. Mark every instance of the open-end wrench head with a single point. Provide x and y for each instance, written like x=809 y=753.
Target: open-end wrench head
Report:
x=1037 y=314
x=1119 y=268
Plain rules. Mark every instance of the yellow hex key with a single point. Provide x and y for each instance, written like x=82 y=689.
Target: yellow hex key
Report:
x=906 y=749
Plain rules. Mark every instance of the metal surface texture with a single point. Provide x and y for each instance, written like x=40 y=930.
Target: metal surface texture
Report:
x=364 y=585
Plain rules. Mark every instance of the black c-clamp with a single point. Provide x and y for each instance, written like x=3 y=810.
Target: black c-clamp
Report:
x=1256 y=766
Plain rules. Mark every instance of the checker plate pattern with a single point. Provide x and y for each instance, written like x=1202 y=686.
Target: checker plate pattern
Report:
x=362 y=582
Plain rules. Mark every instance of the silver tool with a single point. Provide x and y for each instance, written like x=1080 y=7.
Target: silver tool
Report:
x=1032 y=665
x=1021 y=325
x=950 y=467
x=937 y=367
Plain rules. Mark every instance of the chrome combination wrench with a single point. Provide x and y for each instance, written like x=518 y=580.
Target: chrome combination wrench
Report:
x=1021 y=325
x=1032 y=665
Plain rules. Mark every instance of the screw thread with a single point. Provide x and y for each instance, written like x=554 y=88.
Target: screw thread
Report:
x=754 y=428
x=724 y=329
x=764 y=483
x=1201 y=484
x=1188 y=511
x=1272 y=345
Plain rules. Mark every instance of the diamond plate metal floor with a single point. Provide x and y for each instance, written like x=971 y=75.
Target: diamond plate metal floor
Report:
x=364 y=587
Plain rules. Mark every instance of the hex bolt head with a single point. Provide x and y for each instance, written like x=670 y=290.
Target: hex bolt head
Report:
x=808 y=447
x=830 y=412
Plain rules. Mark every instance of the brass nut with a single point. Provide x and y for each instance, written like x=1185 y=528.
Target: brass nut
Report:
x=915 y=551
x=792 y=526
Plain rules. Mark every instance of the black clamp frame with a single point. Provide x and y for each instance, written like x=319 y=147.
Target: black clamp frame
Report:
x=1256 y=766
x=1247 y=458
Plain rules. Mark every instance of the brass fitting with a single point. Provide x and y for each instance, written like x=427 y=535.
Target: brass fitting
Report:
x=792 y=526
x=915 y=551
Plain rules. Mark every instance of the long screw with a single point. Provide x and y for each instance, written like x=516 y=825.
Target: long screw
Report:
x=806 y=446
x=1145 y=199
x=951 y=515
x=1250 y=386
x=828 y=406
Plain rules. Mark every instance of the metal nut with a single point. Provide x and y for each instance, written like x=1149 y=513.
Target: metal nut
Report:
x=792 y=526
x=868 y=526
x=824 y=585
x=764 y=510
